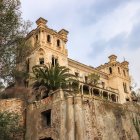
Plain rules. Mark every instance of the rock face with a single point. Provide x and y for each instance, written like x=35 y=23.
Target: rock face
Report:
x=79 y=117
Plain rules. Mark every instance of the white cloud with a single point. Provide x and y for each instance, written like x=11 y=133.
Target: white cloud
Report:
x=89 y=22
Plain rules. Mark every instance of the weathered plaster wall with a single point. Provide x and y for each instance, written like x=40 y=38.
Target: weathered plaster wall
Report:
x=83 y=118
x=109 y=121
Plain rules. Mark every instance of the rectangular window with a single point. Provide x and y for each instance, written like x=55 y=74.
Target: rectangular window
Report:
x=46 y=118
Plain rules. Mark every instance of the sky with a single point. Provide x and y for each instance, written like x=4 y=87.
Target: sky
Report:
x=97 y=28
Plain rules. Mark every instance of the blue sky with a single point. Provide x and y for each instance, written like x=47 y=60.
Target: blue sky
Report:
x=97 y=28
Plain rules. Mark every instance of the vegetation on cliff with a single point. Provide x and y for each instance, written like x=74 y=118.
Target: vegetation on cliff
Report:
x=10 y=128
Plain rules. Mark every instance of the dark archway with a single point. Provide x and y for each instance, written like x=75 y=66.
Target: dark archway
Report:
x=85 y=89
x=113 y=98
x=96 y=92
x=105 y=95
x=110 y=70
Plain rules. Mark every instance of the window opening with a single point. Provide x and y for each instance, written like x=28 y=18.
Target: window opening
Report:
x=105 y=95
x=48 y=38
x=46 y=118
x=85 y=89
x=127 y=99
x=41 y=61
x=113 y=98
x=54 y=61
x=119 y=70
x=36 y=37
x=96 y=92
x=58 y=43
x=76 y=74
x=110 y=70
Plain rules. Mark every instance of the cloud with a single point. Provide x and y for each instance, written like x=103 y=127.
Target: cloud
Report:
x=97 y=28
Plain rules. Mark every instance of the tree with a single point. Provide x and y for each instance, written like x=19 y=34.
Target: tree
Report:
x=10 y=128
x=52 y=77
x=12 y=38
x=93 y=79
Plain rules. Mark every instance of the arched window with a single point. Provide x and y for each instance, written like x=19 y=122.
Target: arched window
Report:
x=41 y=61
x=110 y=70
x=41 y=56
x=125 y=87
x=119 y=70
x=58 y=43
x=48 y=38
x=124 y=72
x=36 y=37
x=54 y=61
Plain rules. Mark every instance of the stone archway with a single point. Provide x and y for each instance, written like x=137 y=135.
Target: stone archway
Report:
x=113 y=98
x=96 y=92
x=86 y=89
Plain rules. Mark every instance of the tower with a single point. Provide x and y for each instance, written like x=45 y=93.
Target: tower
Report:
x=119 y=79
x=48 y=45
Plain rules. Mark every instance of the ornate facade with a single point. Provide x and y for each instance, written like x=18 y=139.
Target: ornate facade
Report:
x=49 y=46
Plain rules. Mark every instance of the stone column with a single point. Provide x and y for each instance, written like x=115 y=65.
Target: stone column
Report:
x=79 y=118
x=82 y=89
x=40 y=36
x=70 y=119
x=63 y=116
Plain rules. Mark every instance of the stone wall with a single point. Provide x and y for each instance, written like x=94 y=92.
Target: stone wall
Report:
x=78 y=118
x=17 y=106
x=83 y=118
x=111 y=121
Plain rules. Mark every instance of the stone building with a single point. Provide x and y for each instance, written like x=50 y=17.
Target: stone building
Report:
x=49 y=46
x=95 y=113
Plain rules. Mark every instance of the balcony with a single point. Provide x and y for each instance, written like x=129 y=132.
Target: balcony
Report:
x=111 y=95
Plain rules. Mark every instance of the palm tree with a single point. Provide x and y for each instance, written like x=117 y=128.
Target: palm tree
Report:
x=52 y=77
